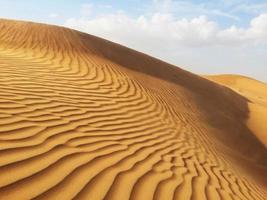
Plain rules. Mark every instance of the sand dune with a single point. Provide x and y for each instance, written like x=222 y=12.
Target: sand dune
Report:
x=256 y=93
x=84 y=118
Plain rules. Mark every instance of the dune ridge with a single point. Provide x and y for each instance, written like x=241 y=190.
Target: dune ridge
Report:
x=85 y=118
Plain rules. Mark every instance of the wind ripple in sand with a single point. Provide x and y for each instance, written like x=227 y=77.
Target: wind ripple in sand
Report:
x=76 y=124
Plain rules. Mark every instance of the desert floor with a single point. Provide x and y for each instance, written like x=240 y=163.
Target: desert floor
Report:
x=85 y=118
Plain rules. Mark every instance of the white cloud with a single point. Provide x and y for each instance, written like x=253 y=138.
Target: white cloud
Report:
x=199 y=44
x=86 y=9
x=259 y=26
x=186 y=8
x=256 y=33
x=164 y=27
x=53 y=15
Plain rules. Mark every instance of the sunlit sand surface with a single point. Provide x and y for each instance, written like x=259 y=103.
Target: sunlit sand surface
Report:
x=84 y=118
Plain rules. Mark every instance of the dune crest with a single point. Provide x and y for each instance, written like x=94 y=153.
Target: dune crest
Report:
x=84 y=118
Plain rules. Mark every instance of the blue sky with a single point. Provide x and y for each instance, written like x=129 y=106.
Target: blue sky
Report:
x=240 y=10
x=207 y=37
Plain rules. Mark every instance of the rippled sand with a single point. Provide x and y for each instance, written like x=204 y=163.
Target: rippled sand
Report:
x=84 y=118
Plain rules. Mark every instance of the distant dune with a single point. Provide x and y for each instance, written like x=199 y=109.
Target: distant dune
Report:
x=256 y=93
x=85 y=118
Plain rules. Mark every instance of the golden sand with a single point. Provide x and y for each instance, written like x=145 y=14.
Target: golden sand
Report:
x=256 y=94
x=84 y=118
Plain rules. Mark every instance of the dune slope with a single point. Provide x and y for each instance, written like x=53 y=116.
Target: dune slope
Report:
x=84 y=118
x=256 y=92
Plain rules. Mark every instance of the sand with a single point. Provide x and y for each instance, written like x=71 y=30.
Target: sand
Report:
x=256 y=93
x=85 y=118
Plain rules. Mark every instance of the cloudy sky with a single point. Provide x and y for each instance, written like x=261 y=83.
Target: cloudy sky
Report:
x=206 y=37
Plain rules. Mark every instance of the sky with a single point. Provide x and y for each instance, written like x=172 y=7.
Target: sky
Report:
x=201 y=36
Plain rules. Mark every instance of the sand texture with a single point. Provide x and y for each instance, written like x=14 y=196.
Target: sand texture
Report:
x=85 y=118
x=256 y=93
